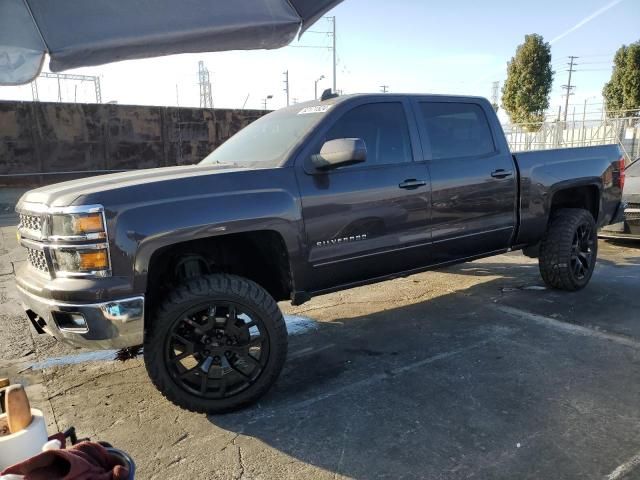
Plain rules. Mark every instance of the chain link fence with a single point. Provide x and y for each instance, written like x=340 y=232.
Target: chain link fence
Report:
x=622 y=128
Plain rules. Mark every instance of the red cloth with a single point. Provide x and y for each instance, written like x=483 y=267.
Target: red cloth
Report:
x=84 y=461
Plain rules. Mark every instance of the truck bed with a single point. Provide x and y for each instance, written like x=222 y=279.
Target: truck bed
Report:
x=544 y=172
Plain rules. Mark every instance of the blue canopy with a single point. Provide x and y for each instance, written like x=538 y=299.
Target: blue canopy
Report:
x=79 y=33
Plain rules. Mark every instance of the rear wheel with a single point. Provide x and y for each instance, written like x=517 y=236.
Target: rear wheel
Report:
x=217 y=344
x=569 y=249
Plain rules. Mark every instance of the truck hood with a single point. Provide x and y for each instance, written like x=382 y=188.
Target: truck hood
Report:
x=66 y=193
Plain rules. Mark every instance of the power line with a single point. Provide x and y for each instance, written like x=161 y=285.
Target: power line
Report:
x=310 y=46
x=568 y=87
x=332 y=34
x=599 y=55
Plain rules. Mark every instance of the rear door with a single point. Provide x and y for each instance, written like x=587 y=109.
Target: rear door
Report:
x=372 y=218
x=473 y=177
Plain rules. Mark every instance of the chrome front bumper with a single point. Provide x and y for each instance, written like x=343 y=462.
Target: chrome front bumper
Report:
x=107 y=325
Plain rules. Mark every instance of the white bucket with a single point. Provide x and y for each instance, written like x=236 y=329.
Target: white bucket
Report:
x=19 y=446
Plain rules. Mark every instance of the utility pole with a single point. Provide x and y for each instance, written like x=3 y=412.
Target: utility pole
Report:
x=384 y=88
x=495 y=89
x=206 y=97
x=315 y=87
x=335 y=89
x=34 y=90
x=584 y=121
x=286 y=85
x=177 y=96
x=568 y=87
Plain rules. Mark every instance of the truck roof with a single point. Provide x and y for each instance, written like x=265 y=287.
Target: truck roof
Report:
x=351 y=96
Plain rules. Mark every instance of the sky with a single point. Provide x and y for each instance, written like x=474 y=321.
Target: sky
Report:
x=412 y=46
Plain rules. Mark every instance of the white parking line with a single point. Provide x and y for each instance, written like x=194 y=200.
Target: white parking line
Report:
x=366 y=382
x=568 y=327
x=626 y=468
x=309 y=351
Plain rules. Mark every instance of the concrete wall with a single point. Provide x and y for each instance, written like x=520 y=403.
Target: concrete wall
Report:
x=42 y=143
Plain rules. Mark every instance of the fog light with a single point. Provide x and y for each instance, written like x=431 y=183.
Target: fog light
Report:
x=72 y=322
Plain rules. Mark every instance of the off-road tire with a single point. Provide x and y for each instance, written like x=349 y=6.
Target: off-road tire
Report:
x=557 y=246
x=202 y=291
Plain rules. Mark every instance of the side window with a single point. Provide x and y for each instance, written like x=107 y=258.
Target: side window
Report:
x=382 y=126
x=457 y=130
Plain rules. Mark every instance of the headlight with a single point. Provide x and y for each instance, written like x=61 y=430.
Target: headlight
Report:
x=77 y=224
x=79 y=245
x=79 y=260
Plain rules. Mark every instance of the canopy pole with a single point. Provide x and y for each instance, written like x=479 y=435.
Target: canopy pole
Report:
x=35 y=24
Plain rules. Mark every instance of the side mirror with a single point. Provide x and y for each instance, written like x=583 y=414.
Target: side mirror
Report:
x=339 y=153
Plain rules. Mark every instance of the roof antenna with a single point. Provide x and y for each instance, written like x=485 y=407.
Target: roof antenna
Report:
x=327 y=94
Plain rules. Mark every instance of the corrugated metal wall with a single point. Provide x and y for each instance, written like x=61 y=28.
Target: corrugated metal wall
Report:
x=43 y=143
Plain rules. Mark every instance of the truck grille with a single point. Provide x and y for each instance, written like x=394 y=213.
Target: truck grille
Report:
x=31 y=222
x=37 y=260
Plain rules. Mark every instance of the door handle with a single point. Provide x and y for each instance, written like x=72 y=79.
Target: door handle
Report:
x=412 y=183
x=501 y=173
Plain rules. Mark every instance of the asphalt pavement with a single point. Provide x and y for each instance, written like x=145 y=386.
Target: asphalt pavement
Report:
x=476 y=371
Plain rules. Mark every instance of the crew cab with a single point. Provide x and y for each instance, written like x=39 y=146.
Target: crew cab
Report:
x=190 y=261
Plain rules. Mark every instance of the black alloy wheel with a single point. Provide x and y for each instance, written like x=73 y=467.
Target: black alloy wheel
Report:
x=217 y=351
x=216 y=344
x=569 y=249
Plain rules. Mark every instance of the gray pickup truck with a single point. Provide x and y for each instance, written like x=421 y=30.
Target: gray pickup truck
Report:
x=321 y=196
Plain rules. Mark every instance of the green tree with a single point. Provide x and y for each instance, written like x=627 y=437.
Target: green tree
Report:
x=525 y=95
x=622 y=92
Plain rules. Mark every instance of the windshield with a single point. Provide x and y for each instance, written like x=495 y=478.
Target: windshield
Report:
x=265 y=142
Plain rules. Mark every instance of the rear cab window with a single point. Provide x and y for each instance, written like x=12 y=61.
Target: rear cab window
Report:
x=455 y=130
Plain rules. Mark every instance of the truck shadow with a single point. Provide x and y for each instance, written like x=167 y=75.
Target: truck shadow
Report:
x=442 y=388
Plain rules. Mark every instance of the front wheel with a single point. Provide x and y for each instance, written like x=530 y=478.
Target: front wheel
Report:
x=569 y=249
x=216 y=344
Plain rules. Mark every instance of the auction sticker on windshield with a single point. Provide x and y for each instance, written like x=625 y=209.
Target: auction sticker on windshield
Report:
x=316 y=109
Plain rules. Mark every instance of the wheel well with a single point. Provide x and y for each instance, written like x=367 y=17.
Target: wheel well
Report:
x=260 y=256
x=587 y=197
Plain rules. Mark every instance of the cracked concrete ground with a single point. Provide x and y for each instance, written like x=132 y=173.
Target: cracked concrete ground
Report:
x=470 y=372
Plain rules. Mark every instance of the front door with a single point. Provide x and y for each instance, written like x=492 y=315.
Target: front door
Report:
x=368 y=219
